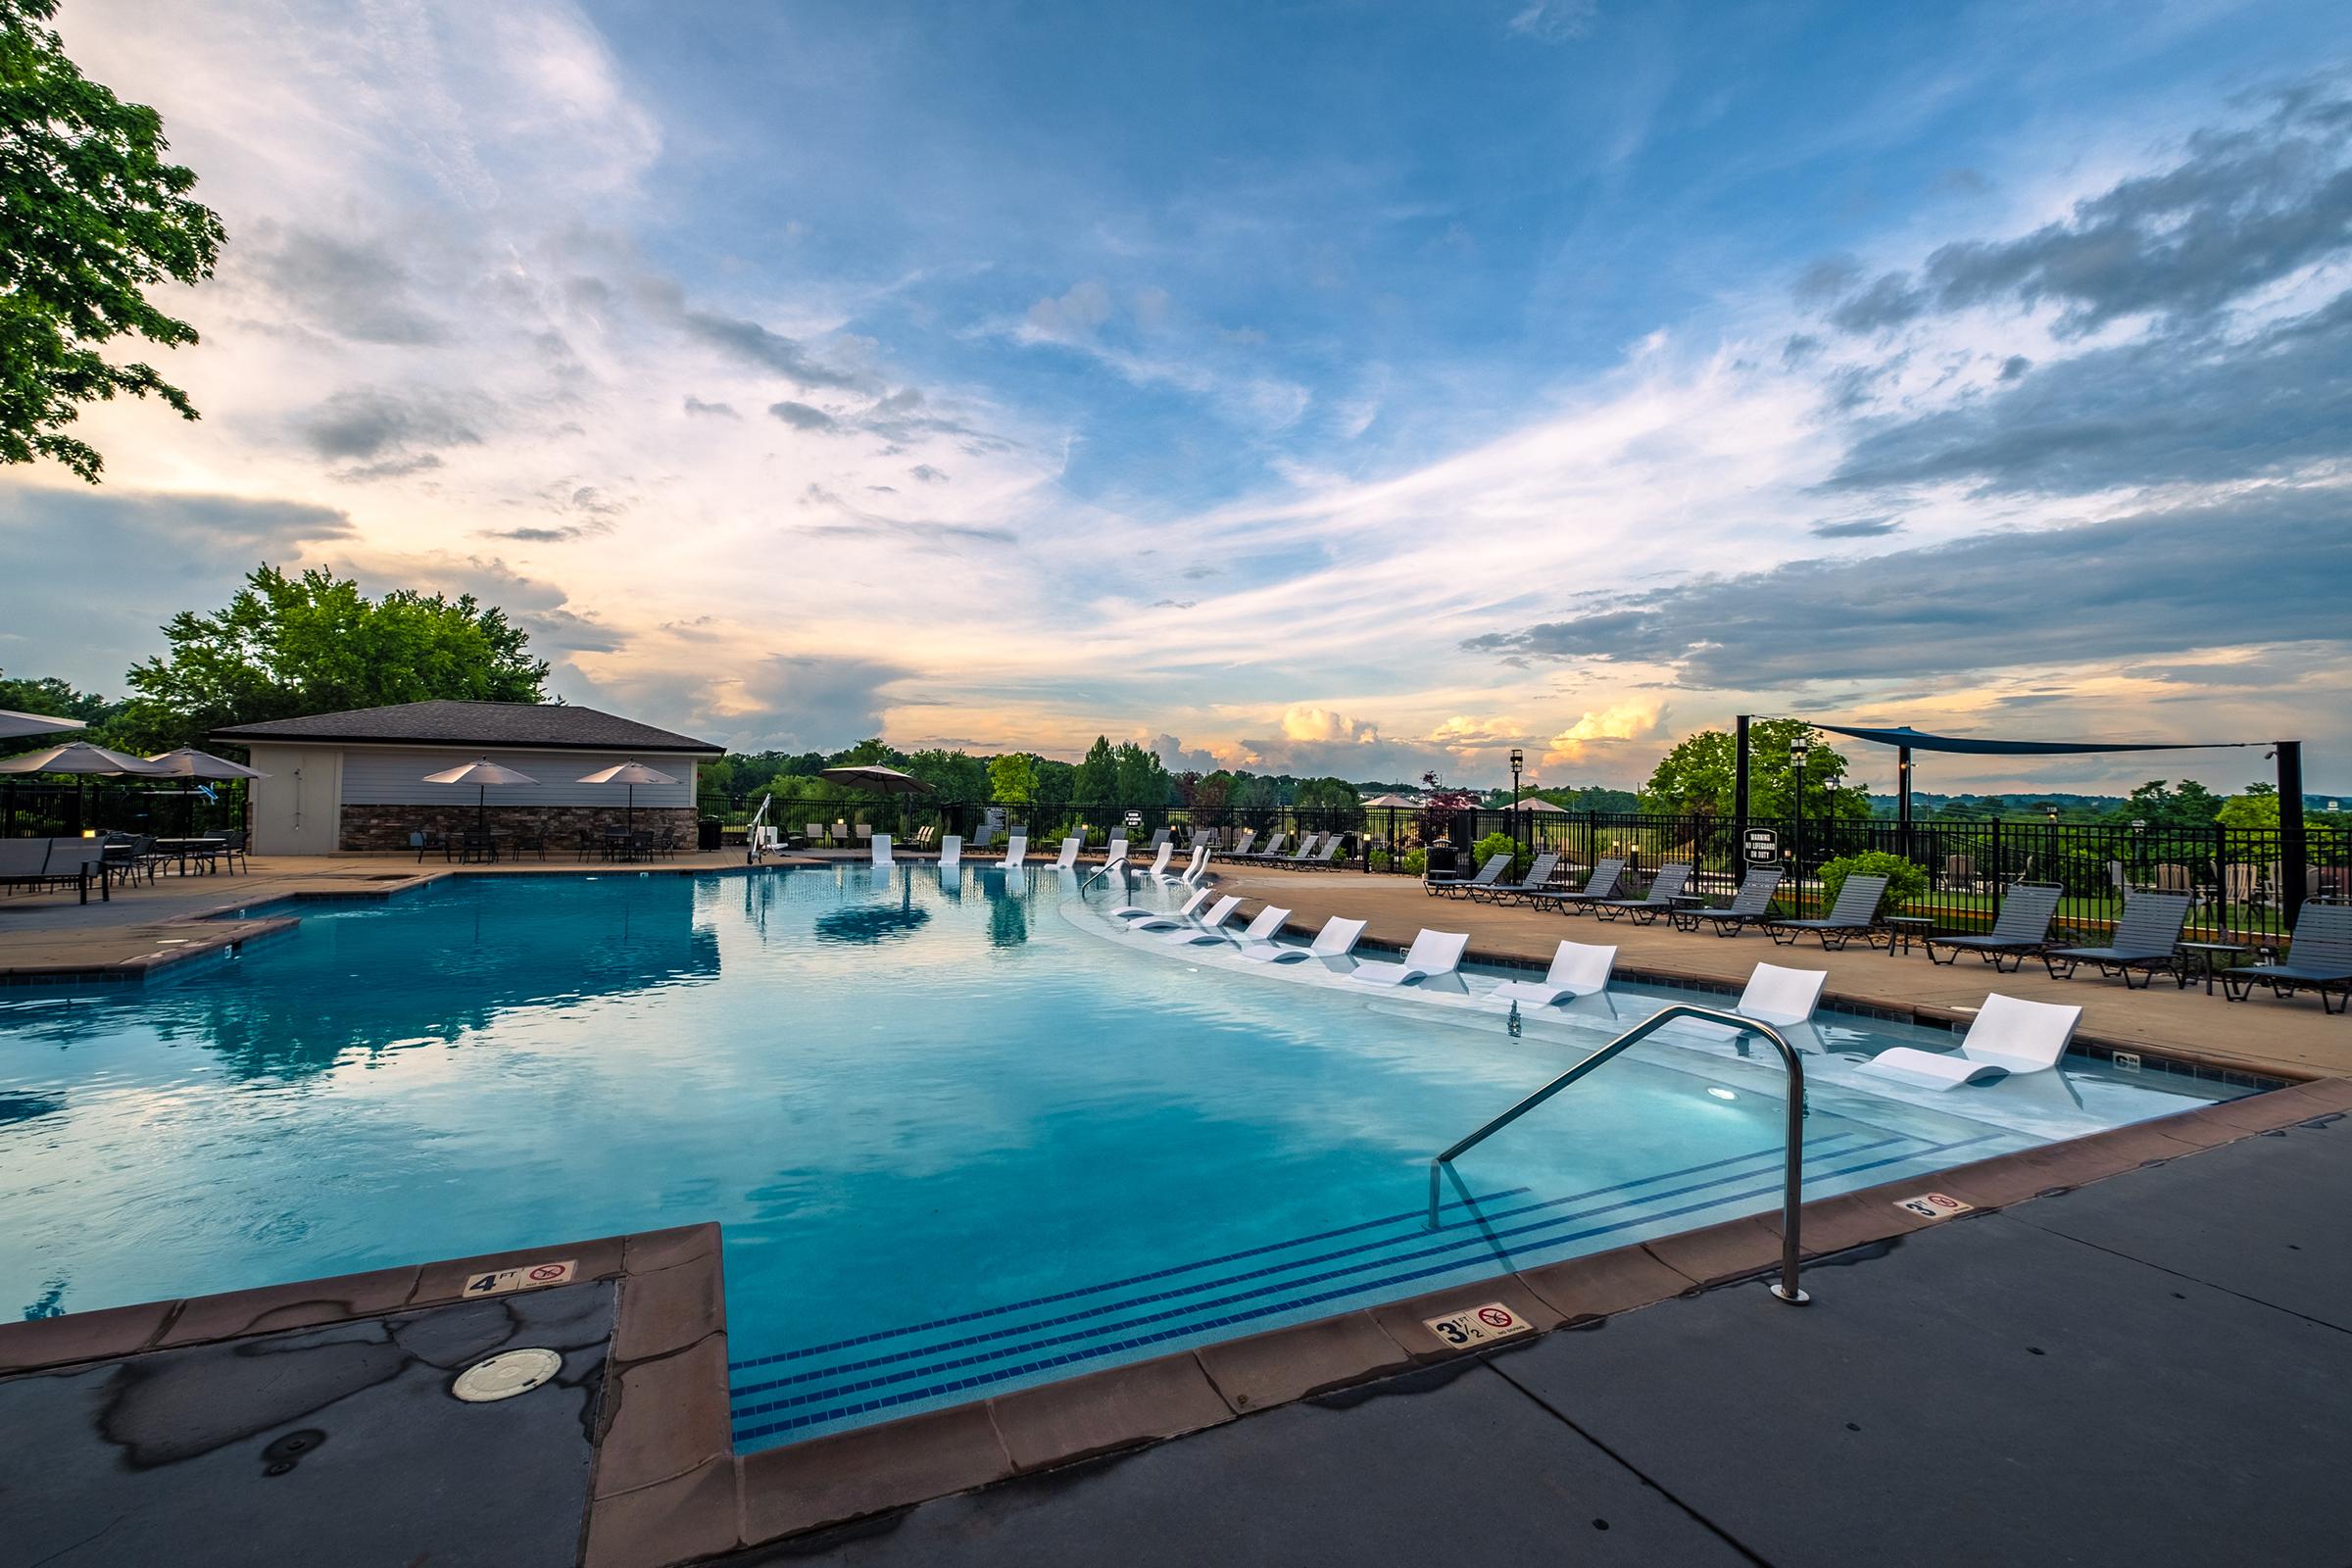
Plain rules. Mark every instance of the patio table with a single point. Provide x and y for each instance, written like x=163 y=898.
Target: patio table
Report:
x=182 y=849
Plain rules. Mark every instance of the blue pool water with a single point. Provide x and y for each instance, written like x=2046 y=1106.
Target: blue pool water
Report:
x=961 y=1135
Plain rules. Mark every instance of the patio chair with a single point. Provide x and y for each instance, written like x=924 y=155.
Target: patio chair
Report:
x=2147 y=938
x=1601 y=884
x=1017 y=849
x=476 y=844
x=1538 y=875
x=1191 y=918
x=951 y=853
x=1208 y=927
x=1160 y=839
x=1195 y=869
x=1164 y=852
x=1262 y=931
x=1266 y=851
x=1960 y=872
x=1202 y=838
x=1666 y=886
x=2009 y=1037
x=1577 y=970
x=2023 y=929
x=1335 y=939
x=880 y=843
x=1137 y=911
x=1751 y=905
x=1433 y=954
x=2319 y=957
x=23 y=862
x=232 y=850
x=585 y=845
x=1115 y=852
x=1324 y=859
x=815 y=836
x=1854 y=913
x=1068 y=861
x=73 y=862
x=1241 y=845
x=983 y=836
x=1462 y=886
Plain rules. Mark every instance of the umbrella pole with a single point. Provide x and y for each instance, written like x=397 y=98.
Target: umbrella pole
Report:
x=630 y=821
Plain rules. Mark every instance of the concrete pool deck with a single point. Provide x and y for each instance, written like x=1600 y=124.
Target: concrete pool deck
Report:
x=2129 y=1351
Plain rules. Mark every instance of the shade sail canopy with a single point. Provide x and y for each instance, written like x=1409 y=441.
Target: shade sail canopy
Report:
x=483 y=771
x=1535 y=803
x=882 y=780
x=83 y=759
x=188 y=763
x=629 y=773
x=14 y=724
x=1905 y=735
x=1394 y=800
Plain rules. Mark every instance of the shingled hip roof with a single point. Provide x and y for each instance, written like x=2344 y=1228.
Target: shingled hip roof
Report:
x=487 y=725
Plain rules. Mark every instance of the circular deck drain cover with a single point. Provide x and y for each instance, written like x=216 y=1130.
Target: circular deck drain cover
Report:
x=504 y=1376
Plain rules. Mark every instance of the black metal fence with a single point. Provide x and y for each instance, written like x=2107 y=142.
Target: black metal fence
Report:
x=169 y=808
x=2235 y=877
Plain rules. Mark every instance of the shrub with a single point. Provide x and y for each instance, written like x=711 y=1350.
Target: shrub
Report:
x=1416 y=862
x=1904 y=880
x=1492 y=843
x=1379 y=860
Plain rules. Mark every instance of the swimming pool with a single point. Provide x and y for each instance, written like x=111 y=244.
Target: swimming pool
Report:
x=963 y=1135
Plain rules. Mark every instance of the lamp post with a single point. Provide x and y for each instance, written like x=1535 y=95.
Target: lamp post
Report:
x=2140 y=851
x=1518 y=761
x=1799 y=750
x=2049 y=816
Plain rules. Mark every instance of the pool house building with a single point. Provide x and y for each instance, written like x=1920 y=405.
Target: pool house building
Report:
x=340 y=783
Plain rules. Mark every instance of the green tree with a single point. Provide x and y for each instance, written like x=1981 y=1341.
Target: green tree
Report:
x=1700 y=773
x=1097 y=778
x=951 y=775
x=1056 y=783
x=873 y=752
x=89 y=214
x=1012 y=778
x=2159 y=805
x=58 y=698
x=1326 y=795
x=1141 y=780
x=285 y=646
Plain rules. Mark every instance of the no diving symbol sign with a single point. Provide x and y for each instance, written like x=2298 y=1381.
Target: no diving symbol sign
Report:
x=536 y=1275
x=1933 y=1206
x=1493 y=1321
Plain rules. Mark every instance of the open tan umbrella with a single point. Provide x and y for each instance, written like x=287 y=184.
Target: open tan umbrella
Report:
x=481 y=773
x=632 y=774
x=881 y=780
x=188 y=763
x=14 y=724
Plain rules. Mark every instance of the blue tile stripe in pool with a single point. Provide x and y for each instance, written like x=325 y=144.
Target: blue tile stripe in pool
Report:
x=1367 y=1269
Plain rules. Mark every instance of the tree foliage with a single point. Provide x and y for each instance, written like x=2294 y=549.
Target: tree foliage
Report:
x=286 y=646
x=1700 y=775
x=90 y=213
x=1012 y=778
x=951 y=775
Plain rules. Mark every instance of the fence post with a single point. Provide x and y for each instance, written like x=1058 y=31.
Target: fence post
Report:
x=1999 y=871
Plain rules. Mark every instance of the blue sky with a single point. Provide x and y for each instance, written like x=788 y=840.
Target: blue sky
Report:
x=1337 y=387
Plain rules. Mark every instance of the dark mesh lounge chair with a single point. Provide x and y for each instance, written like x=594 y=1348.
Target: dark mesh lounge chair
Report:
x=2320 y=958
x=1462 y=886
x=1751 y=905
x=1855 y=914
x=2022 y=930
x=1502 y=892
x=1664 y=889
x=1602 y=884
x=2145 y=937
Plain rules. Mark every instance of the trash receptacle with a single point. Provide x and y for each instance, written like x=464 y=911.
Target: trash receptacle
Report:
x=1440 y=860
x=706 y=834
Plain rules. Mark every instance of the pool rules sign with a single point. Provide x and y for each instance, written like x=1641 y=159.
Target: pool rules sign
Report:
x=1493 y=1321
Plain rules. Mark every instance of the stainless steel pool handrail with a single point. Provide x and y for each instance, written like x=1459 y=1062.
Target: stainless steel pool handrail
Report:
x=1794 y=1176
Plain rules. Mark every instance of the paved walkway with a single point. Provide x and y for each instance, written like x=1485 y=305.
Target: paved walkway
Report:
x=2148 y=1370
x=2292 y=1039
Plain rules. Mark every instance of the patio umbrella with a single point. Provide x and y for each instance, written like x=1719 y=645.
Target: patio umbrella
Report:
x=14 y=724
x=1399 y=801
x=632 y=774
x=481 y=773
x=1535 y=803
x=81 y=759
x=881 y=780
x=188 y=763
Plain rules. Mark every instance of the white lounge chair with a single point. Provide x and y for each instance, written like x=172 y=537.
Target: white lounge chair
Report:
x=2009 y=1037
x=1068 y=861
x=1433 y=954
x=1017 y=849
x=1577 y=970
x=1116 y=855
x=1260 y=933
x=1197 y=869
x=1335 y=939
x=1187 y=923
x=1161 y=858
x=1781 y=998
x=882 y=850
x=951 y=853
x=1136 y=911
x=1206 y=926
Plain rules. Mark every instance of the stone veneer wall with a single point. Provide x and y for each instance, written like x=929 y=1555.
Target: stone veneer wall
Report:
x=388 y=827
